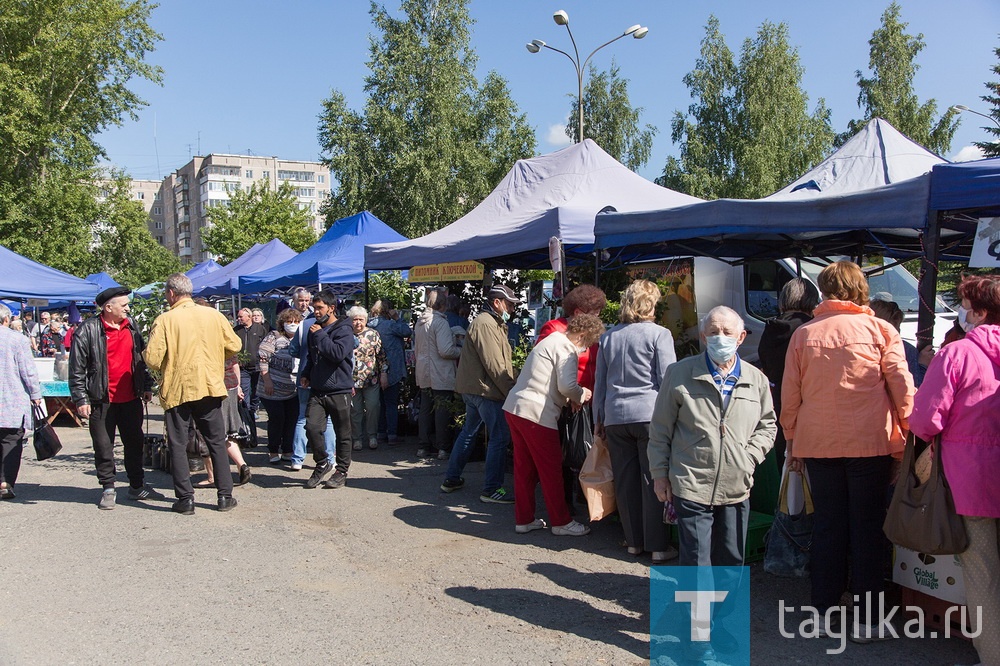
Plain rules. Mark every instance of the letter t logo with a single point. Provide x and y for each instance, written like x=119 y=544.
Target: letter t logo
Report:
x=701 y=610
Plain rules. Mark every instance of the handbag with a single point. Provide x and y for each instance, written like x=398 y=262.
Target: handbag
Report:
x=922 y=516
x=576 y=436
x=154 y=447
x=790 y=537
x=597 y=481
x=246 y=437
x=46 y=440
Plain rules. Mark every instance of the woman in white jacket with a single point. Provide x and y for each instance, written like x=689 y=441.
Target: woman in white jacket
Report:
x=546 y=384
x=436 y=356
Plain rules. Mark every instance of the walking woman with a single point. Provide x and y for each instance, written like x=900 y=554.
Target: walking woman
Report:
x=277 y=387
x=960 y=400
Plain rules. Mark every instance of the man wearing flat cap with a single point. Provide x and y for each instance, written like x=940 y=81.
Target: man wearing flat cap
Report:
x=107 y=379
x=484 y=378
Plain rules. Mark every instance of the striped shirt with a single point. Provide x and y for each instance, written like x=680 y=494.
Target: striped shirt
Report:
x=724 y=383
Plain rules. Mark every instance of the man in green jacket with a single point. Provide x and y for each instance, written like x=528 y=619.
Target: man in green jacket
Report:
x=485 y=376
x=713 y=423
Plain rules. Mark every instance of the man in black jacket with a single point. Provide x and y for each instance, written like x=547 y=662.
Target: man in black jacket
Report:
x=251 y=334
x=107 y=378
x=329 y=374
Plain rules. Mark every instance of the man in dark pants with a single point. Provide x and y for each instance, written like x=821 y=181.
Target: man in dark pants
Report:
x=329 y=374
x=189 y=345
x=107 y=378
x=251 y=335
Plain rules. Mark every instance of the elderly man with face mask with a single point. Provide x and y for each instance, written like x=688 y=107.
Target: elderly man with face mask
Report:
x=713 y=423
x=107 y=378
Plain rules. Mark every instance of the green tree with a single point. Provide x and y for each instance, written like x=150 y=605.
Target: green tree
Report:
x=431 y=142
x=748 y=132
x=992 y=148
x=65 y=71
x=888 y=93
x=124 y=248
x=610 y=119
x=258 y=215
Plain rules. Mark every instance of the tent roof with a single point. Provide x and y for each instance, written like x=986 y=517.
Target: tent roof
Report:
x=204 y=268
x=872 y=194
x=225 y=281
x=336 y=258
x=24 y=278
x=553 y=195
x=877 y=155
x=103 y=280
x=967 y=185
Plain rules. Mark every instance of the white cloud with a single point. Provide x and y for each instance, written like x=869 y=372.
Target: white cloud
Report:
x=557 y=136
x=968 y=154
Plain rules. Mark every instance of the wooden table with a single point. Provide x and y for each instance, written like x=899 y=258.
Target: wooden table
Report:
x=58 y=401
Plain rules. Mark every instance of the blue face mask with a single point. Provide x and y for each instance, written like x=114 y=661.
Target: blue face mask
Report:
x=721 y=348
x=506 y=317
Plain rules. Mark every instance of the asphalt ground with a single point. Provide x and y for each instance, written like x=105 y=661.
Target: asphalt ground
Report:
x=387 y=570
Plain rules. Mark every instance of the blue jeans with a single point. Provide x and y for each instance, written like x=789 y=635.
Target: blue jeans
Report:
x=388 y=419
x=480 y=410
x=299 y=440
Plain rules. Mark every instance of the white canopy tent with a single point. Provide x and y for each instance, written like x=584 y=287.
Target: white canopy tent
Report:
x=557 y=195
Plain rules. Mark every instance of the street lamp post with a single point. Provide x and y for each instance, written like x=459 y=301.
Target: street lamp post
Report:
x=562 y=18
x=962 y=107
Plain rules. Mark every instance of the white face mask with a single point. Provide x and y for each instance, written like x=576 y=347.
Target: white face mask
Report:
x=291 y=328
x=721 y=348
x=963 y=319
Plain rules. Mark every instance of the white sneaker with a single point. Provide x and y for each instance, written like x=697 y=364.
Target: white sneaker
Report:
x=572 y=528
x=297 y=467
x=536 y=524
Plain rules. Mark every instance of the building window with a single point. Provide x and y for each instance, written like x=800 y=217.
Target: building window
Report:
x=159 y=239
x=157 y=196
x=301 y=176
x=249 y=173
x=267 y=174
x=320 y=179
x=158 y=225
x=157 y=210
x=140 y=195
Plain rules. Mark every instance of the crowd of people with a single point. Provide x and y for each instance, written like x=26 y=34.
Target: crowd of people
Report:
x=836 y=393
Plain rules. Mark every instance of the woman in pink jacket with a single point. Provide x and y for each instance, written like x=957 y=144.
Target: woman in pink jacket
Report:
x=960 y=400
x=845 y=398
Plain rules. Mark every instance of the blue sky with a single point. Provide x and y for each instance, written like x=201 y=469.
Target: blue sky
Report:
x=249 y=75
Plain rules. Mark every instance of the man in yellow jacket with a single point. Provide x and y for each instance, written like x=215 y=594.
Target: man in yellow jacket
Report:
x=188 y=346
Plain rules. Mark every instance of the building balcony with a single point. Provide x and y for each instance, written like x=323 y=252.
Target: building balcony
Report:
x=183 y=236
x=184 y=253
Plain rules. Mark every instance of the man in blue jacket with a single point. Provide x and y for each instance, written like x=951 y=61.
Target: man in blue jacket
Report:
x=329 y=374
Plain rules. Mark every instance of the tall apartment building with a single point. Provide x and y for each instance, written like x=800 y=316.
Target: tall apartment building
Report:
x=177 y=205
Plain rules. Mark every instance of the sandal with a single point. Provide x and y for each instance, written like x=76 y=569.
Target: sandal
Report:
x=6 y=492
x=205 y=483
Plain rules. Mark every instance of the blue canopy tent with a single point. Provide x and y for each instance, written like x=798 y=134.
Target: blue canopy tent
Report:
x=225 y=281
x=336 y=258
x=23 y=278
x=204 y=268
x=103 y=280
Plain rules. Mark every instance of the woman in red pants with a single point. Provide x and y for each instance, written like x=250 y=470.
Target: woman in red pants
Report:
x=546 y=384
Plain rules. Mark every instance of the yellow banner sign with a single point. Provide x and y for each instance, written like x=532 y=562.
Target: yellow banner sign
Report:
x=456 y=271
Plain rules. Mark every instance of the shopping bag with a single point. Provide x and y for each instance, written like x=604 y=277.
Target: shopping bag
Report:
x=576 y=435
x=922 y=516
x=247 y=435
x=46 y=440
x=790 y=537
x=597 y=482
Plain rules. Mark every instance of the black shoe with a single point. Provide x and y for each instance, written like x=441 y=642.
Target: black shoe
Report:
x=184 y=506
x=227 y=503
x=426 y=452
x=245 y=475
x=319 y=474
x=336 y=481
x=450 y=486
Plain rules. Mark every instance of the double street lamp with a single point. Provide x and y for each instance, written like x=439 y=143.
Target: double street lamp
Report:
x=962 y=107
x=562 y=18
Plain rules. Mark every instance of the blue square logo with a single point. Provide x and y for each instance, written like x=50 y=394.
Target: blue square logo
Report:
x=699 y=615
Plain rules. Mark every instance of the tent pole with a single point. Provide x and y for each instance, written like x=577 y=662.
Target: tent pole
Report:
x=928 y=279
x=597 y=268
x=367 y=305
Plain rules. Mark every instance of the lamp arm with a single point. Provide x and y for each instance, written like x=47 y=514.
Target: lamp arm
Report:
x=612 y=41
x=576 y=63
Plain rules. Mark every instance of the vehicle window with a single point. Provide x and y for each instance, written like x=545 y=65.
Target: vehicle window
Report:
x=764 y=280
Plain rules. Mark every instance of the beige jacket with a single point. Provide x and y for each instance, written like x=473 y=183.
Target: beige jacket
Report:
x=547 y=381
x=435 y=351
x=189 y=345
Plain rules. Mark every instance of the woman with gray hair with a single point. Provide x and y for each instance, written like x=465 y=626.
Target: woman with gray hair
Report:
x=796 y=302
x=19 y=388
x=632 y=361
x=371 y=372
